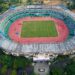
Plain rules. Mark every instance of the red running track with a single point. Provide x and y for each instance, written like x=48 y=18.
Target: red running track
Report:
x=15 y=30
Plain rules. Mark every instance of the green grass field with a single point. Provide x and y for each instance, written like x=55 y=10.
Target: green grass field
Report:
x=38 y=29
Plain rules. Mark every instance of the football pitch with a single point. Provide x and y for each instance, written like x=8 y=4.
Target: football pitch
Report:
x=38 y=29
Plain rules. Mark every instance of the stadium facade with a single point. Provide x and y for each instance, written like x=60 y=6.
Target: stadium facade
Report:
x=34 y=49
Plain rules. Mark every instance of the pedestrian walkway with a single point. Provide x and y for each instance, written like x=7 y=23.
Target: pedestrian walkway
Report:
x=41 y=68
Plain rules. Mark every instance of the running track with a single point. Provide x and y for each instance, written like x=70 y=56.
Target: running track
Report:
x=15 y=30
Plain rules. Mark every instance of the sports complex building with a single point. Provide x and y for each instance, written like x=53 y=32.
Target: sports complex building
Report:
x=38 y=31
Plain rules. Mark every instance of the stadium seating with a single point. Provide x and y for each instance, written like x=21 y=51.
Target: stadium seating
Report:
x=10 y=16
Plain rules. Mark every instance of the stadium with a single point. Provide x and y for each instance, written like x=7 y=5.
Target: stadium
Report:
x=37 y=29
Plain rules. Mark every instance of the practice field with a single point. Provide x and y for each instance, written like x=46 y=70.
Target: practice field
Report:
x=39 y=29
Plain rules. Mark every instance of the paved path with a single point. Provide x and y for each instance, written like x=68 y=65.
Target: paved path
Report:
x=41 y=68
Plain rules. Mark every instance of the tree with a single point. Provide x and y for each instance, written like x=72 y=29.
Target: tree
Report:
x=4 y=70
x=69 y=3
x=13 y=72
x=57 y=71
x=29 y=2
x=70 y=68
x=21 y=62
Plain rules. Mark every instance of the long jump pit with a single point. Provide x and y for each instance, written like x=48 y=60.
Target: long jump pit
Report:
x=33 y=30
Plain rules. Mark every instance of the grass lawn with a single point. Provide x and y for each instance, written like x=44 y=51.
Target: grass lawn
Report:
x=38 y=29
